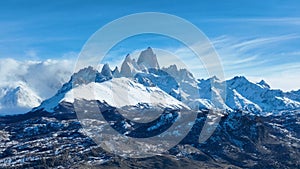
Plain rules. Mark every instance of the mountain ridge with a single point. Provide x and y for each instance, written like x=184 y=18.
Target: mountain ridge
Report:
x=241 y=94
x=181 y=84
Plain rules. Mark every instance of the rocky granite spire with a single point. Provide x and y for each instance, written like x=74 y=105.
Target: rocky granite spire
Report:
x=129 y=67
x=106 y=70
x=148 y=59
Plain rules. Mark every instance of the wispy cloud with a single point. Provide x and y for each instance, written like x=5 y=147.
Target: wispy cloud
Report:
x=263 y=20
x=259 y=58
x=257 y=42
x=283 y=76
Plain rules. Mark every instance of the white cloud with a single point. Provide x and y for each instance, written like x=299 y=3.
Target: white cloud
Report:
x=44 y=77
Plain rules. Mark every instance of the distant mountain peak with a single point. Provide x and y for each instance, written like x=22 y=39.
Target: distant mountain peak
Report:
x=214 y=78
x=263 y=84
x=173 y=67
x=106 y=71
x=148 y=59
x=21 y=96
x=240 y=78
x=116 y=72
x=128 y=67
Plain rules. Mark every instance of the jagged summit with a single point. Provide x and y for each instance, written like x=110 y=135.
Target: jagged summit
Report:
x=14 y=100
x=129 y=67
x=116 y=72
x=214 y=78
x=84 y=76
x=173 y=68
x=240 y=78
x=264 y=84
x=106 y=71
x=238 y=81
x=148 y=59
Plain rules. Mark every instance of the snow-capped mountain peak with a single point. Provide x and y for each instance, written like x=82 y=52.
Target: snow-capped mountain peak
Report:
x=18 y=99
x=84 y=76
x=148 y=59
x=238 y=80
x=21 y=96
x=263 y=84
x=129 y=67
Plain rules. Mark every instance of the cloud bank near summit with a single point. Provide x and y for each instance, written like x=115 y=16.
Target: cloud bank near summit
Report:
x=44 y=77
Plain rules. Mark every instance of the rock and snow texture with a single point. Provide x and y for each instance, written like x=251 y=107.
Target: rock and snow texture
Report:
x=106 y=71
x=129 y=67
x=148 y=59
x=244 y=95
x=19 y=99
x=177 y=83
x=117 y=92
x=267 y=99
x=263 y=84
x=188 y=84
x=294 y=95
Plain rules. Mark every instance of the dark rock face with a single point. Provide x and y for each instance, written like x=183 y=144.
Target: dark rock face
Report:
x=241 y=140
x=247 y=140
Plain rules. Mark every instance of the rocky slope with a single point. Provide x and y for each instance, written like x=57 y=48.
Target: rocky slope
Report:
x=241 y=140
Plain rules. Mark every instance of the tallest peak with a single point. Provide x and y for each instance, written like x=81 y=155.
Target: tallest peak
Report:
x=148 y=59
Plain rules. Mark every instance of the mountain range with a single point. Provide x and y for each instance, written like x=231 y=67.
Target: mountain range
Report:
x=258 y=127
x=180 y=84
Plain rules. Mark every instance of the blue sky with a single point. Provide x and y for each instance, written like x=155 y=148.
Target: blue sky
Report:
x=258 y=39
